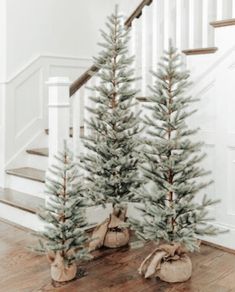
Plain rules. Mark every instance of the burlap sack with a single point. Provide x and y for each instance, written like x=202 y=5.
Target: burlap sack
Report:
x=168 y=262
x=110 y=234
x=117 y=238
x=59 y=271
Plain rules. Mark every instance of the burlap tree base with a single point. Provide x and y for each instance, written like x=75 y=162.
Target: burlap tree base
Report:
x=111 y=232
x=59 y=271
x=168 y=262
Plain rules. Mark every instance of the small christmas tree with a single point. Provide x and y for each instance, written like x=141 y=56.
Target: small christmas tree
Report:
x=170 y=213
x=112 y=160
x=63 y=238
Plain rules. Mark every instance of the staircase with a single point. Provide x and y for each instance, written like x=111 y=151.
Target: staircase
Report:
x=202 y=30
x=24 y=191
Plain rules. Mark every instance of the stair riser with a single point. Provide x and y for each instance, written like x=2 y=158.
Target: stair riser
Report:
x=20 y=217
x=206 y=61
x=37 y=161
x=223 y=37
x=27 y=186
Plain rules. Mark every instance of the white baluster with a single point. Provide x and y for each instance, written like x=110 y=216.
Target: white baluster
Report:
x=227 y=9
x=191 y=24
x=160 y=27
x=179 y=14
x=144 y=45
x=78 y=109
x=198 y=21
x=150 y=46
x=59 y=114
x=212 y=6
x=132 y=45
x=154 y=36
x=172 y=21
x=219 y=14
x=233 y=8
x=166 y=23
x=205 y=23
x=185 y=25
x=138 y=50
x=88 y=103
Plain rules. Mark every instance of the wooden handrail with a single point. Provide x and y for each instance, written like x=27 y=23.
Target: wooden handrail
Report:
x=86 y=76
x=137 y=13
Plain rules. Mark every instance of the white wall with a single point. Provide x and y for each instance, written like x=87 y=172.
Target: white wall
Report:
x=55 y=27
x=2 y=39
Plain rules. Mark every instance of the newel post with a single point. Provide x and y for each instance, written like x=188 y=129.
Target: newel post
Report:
x=59 y=114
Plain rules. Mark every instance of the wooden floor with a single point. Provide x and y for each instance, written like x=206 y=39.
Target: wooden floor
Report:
x=23 y=271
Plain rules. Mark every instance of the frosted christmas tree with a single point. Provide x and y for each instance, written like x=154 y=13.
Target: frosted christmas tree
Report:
x=64 y=239
x=170 y=214
x=112 y=160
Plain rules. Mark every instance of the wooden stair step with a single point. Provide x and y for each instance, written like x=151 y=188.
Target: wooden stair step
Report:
x=71 y=131
x=39 y=151
x=20 y=200
x=200 y=51
x=29 y=173
x=222 y=23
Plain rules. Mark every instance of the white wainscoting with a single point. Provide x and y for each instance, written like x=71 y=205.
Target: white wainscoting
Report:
x=25 y=104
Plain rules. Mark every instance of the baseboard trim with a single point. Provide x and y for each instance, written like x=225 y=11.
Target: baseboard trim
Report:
x=15 y=225
x=225 y=249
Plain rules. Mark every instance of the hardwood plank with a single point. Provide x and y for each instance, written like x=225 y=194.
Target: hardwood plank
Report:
x=110 y=271
x=29 y=173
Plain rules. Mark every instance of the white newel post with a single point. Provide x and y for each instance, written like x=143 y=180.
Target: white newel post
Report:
x=59 y=114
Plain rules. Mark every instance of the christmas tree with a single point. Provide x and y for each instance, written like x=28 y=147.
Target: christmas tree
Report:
x=63 y=239
x=170 y=212
x=112 y=159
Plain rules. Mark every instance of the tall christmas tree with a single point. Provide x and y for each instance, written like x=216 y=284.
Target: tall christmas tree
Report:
x=112 y=160
x=63 y=239
x=170 y=213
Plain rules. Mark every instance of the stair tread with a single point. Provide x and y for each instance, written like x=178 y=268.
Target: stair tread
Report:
x=71 y=131
x=200 y=51
x=28 y=172
x=20 y=200
x=39 y=151
x=222 y=23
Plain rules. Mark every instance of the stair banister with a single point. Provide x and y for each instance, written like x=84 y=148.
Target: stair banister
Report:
x=185 y=21
x=78 y=83
x=60 y=104
x=78 y=91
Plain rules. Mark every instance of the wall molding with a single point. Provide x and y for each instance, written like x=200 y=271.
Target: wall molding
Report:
x=33 y=60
